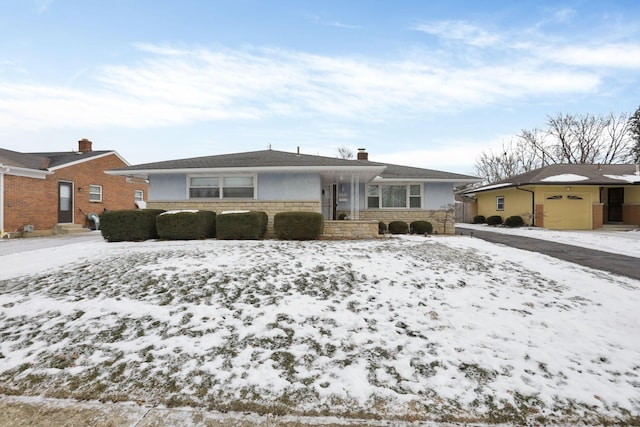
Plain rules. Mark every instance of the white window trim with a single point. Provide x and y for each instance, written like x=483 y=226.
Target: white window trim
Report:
x=498 y=199
x=221 y=178
x=407 y=184
x=93 y=192
x=135 y=194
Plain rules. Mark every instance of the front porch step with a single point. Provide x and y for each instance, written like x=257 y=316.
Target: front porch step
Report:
x=619 y=227
x=70 y=229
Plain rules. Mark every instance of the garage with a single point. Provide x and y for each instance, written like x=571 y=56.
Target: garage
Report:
x=567 y=211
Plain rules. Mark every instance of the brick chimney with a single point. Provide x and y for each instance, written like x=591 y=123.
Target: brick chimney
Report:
x=362 y=154
x=84 y=145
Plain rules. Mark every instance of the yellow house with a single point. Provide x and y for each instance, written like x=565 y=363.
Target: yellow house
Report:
x=566 y=197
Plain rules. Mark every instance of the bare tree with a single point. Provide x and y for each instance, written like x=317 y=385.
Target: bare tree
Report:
x=569 y=139
x=634 y=130
x=345 y=153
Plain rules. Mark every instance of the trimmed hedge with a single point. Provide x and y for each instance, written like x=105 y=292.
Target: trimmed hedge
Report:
x=298 y=225
x=186 y=225
x=132 y=225
x=421 y=227
x=251 y=225
x=398 y=227
x=494 y=220
x=479 y=219
x=382 y=227
x=514 y=221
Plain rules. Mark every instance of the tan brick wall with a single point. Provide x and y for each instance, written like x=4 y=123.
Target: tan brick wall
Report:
x=631 y=213
x=351 y=229
x=270 y=207
x=35 y=201
x=435 y=217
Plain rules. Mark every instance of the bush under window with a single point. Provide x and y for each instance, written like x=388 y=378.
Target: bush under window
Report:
x=129 y=225
x=514 y=221
x=479 y=219
x=186 y=225
x=494 y=220
x=249 y=225
x=421 y=227
x=398 y=227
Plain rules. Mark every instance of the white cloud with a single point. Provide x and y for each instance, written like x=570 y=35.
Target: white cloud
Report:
x=460 y=31
x=170 y=85
x=608 y=56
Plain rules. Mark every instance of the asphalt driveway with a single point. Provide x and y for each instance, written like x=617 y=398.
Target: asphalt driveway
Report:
x=605 y=261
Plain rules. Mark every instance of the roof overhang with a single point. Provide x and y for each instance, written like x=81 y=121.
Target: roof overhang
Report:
x=328 y=173
x=449 y=180
x=23 y=172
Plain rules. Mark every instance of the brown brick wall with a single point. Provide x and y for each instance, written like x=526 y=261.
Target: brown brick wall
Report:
x=35 y=201
x=631 y=213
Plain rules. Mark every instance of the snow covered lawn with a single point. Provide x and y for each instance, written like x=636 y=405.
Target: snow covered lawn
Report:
x=414 y=328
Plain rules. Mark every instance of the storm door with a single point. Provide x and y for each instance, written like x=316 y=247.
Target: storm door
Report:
x=616 y=199
x=65 y=202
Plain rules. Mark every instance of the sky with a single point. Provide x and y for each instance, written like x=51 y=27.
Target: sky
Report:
x=431 y=84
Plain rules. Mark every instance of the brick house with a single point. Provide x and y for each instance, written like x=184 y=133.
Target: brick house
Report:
x=360 y=190
x=41 y=192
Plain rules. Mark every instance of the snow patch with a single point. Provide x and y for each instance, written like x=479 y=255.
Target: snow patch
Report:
x=565 y=177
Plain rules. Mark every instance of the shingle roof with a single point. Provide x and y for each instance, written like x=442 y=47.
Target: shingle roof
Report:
x=23 y=160
x=252 y=159
x=282 y=159
x=59 y=158
x=45 y=161
x=570 y=174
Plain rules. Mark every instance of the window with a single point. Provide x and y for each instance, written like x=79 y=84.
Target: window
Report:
x=138 y=195
x=95 y=193
x=572 y=197
x=204 y=187
x=222 y=187
x=237 y=187
x=399 y=196
x=556 y=197
x=500 y=203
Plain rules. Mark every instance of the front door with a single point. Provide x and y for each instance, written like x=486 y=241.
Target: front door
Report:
x=329 y=202
x=615 y=199
x=65 y=202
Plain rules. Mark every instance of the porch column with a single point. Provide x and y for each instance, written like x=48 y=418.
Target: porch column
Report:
x=355 y=197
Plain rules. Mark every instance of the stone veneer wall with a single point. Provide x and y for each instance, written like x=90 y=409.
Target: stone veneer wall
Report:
x=270 y=207
x=435 y=217
x=351 y=229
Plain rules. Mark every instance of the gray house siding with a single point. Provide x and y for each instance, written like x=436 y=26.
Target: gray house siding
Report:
x=289 y=186
x=276 y=187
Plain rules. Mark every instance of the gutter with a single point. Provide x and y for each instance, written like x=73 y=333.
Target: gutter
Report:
x=533 y=204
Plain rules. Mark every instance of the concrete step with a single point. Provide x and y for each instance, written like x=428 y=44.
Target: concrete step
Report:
x=70 y=229
x=619 y=227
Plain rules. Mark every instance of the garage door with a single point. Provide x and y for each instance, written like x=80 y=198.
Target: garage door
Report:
x=567 y=211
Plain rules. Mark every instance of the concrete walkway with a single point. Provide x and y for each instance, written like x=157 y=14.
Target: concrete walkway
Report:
x=614 y=263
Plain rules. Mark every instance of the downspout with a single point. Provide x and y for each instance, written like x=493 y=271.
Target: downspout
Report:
x=3 y=170
x=533 y=204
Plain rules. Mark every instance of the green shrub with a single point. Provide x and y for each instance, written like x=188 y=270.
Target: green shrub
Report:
x=494 y=220
x=514 y=221
x=398 y=227
x=298 y=225
x=421 y=227
x=479 y=219
x=382 y=227
x=343 y=216
x=249 y=225
x=186 y=225
x=129 y=225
